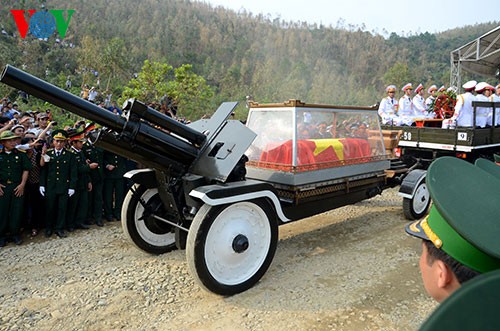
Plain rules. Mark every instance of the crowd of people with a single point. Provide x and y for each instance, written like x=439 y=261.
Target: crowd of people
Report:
x=61 y=181
x=412 y=107
x=323 y=130
x=54 y=180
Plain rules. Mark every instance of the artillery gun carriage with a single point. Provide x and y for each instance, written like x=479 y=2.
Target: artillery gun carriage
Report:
x=220 y=189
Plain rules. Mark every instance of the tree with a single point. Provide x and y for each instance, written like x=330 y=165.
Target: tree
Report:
x=399 y=74
x=151 y=83
x=89 y=58
x=114 y=60
x=192 y=93
x=189 y=91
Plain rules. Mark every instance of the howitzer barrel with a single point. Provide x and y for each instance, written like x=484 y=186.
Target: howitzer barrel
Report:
x=140 y=109
x=109 y=141
x=131 y=133
x=59 y=97
x=141 y=133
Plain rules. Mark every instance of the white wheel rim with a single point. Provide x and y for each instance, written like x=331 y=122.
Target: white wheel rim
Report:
x=143 y=231
x=421 y=199
x=225 y=264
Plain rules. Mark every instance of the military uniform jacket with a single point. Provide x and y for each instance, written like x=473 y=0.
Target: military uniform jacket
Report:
x=419 y=106
x=387 y=110
x=60 y=173
x=406 y=107
x=463 y=109
x=496 y=98
x=12 y=166
x=82 y=169
x=429 y=101
x=119 y=162
x=95 y=154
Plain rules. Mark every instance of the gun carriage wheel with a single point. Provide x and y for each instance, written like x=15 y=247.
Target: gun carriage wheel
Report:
x=416 y=207
x=139 y=224
x=230 y=247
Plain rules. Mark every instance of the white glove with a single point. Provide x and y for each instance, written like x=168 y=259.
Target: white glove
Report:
x=42 y=190
x=71 y=192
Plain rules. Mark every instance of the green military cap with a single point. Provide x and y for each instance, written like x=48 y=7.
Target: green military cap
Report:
x=60 y=135
x=489 y=167
x=8 y=135
x=464 y=220
x=497 y=157
x=474 y=306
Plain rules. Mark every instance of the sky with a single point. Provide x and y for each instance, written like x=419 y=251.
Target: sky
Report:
x=401 y=17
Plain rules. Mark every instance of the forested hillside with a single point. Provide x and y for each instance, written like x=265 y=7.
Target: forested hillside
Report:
x=238 y=54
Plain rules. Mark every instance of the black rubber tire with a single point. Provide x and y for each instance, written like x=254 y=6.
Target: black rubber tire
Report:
x=150 y=235
x=200 y=229
x=420 y=198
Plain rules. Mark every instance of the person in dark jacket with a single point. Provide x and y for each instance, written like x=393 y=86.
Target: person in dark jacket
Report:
x=57 y=183
x=14 y=170
x=114 y=185
x=78 y=203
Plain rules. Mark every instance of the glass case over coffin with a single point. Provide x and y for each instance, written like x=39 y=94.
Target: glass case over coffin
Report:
x=297 y=139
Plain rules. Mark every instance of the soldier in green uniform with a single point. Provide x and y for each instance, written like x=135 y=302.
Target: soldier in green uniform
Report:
x=95 y=154
x=14 y=170
x=78 y=203
x=114 y=185
x=461 y=233
x=473 y=307
x=57 y=183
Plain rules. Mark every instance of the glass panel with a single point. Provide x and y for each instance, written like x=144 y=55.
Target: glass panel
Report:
x=274 y=128
x=325 y=138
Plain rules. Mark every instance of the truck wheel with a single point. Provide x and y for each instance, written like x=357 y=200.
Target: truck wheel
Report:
x=230 y=247
x=146 y=232
x=417 y=207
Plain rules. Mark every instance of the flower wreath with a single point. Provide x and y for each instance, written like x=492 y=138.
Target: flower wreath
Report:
x=444 y=105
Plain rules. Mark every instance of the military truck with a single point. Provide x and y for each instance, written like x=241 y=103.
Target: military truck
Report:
x=419 y=145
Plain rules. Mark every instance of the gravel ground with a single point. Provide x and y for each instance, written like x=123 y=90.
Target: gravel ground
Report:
x=349 y=269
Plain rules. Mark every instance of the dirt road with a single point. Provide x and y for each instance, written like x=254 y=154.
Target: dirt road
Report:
x=350 y=269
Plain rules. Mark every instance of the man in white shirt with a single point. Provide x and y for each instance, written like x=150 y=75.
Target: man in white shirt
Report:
x=496 y=98
x=419 y=102
x=431 y=91
x=483 y=114
x=388 y=107
x=406 y=109
x=93 y=94
x=463 y=115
